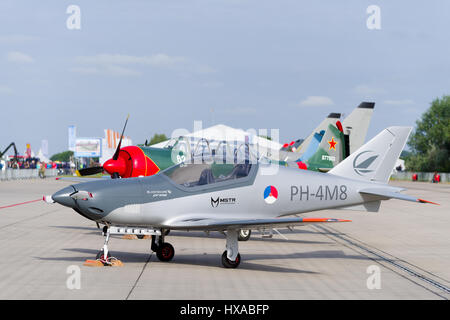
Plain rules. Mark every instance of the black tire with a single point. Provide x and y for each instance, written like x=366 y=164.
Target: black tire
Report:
x=244 y=234
x=140 y=236
x=165 y=252
x=227 y=263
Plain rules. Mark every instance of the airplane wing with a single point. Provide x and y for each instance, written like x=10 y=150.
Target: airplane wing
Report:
x=389 y=194
x=223 y=224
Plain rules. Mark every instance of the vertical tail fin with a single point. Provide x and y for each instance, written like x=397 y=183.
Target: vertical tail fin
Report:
x=330 y=151
x=357 y=123
x=376 y=159
x=331 y=119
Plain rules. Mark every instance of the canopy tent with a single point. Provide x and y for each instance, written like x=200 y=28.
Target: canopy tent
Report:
x=215 y=134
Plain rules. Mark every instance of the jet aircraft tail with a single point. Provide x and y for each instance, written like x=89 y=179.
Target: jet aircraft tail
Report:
x=357 y=123
x=330 y=119
x=330 y=152
x=375 y=160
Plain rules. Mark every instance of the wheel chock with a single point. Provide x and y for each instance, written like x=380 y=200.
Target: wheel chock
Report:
x=135 y=237
x=116 y=263
x=130 y=237
x=93 y=263
x=98 y=263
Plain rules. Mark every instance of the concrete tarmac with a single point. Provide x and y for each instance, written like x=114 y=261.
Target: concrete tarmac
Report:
x=401 y=252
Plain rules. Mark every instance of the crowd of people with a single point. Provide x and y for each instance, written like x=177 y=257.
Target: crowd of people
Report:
x=35 y=163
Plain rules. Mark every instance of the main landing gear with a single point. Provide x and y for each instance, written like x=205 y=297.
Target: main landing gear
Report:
x=231 y=257
x=164 y=250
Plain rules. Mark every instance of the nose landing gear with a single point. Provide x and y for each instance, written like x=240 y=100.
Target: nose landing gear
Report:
x=104 y=257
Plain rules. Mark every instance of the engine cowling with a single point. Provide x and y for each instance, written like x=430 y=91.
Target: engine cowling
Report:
x=132 y=162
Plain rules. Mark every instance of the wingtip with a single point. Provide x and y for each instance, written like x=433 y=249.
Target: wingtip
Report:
x=426 y=201
x=325 y=220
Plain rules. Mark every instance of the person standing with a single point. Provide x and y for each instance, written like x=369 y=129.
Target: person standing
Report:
x=42 y=170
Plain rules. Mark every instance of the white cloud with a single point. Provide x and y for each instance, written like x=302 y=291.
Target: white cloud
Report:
x=121 y=71
x=5 y=90
x=105 y=70
x=316 y=101
x=114 y=64
x=19 y=57
x=212 y=84
x=156 y=60
x=399 y=102
x=16 y=38
x=85 y=70
x=240 y=111
x=364 y=89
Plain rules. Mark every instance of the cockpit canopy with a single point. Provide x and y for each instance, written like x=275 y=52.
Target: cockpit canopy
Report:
x=199 y=174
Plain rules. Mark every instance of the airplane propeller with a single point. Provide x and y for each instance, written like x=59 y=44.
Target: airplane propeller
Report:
x=114 y=166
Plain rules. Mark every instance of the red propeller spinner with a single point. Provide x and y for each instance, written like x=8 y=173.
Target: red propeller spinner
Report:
x=131 y=162
x=127 y=162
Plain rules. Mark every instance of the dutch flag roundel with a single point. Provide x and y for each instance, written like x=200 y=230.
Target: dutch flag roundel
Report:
x=270 y=194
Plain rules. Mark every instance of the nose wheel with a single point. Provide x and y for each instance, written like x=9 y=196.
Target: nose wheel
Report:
x=104 y=256
x=101 y=256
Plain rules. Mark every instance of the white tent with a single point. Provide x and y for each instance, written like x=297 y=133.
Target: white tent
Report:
x=41 y=156
x=215 y=134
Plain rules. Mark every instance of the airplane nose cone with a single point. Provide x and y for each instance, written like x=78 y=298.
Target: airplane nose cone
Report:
x=63 y=197
x=115 y=166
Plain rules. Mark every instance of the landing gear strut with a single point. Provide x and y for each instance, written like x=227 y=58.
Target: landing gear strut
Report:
x=164 y=250
x=103 y=255
x=231 y=257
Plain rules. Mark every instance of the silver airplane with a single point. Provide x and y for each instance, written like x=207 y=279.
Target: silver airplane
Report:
x=228 y=197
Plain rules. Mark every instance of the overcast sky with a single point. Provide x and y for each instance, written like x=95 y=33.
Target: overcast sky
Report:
x=257 y=64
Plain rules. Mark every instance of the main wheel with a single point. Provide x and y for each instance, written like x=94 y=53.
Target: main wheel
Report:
x=227 y=263
x=165 y=252
x=244 y=234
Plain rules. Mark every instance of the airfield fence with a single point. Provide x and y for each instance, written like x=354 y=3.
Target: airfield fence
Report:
x=421 y=176
x=19 y=174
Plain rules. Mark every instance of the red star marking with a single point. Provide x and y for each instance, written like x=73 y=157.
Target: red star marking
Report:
x=332 y=143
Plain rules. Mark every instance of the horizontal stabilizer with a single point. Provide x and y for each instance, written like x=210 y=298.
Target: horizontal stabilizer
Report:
x=389 y=194
x=371 y=206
